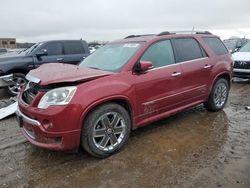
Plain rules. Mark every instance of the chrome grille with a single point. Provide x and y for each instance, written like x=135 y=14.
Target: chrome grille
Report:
x=242 y=64
x=30 y=92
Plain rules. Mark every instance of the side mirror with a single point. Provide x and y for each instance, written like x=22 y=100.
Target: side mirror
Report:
x=42 y=52
x=143 y=66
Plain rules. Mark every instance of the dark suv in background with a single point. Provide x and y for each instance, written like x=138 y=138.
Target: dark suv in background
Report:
x=14 y=66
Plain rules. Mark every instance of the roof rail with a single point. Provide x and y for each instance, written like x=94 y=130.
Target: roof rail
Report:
x=164 y=33
x=184 y=32
x=132 y=36
x=203 y=32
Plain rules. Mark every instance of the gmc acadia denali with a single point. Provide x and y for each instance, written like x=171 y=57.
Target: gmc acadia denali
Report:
x=123 y=86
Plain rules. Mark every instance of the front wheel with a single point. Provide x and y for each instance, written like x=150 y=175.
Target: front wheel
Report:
x=19 y=80
x=106 y=130
x=218 y=96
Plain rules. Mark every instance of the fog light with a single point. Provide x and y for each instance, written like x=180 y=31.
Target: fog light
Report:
x=47 y=124
x=58 y=140
x=50 y=125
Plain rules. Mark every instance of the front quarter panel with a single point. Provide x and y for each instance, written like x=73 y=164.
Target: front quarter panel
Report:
x=93 y=93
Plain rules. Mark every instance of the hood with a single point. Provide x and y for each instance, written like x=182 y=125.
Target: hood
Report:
x=52 y=73
x=11 y=56
x=241 y=56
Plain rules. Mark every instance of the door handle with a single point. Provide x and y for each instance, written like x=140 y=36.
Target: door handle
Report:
x=59 y=59
x=175 y=74
x=83 y=57
x=207 y=66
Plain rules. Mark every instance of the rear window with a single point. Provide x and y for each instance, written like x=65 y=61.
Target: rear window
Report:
x=187 y=49
x=73 y=48
x=216 y=45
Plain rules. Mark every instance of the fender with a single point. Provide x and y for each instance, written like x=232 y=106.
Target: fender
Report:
x=219 y=75
x=105 y=100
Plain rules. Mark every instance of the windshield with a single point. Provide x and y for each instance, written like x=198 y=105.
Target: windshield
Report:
x=111 y=57
x=32 y=48
x=230 y=44
x=245 y=48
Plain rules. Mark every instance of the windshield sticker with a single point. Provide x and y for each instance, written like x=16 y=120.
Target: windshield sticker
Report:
x=130 y=45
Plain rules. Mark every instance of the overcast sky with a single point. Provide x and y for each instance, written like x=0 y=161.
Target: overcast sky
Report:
x=106 y=20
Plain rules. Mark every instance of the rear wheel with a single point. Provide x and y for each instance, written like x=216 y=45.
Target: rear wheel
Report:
x=219 y=96
x=19 y=80
x=106 y=130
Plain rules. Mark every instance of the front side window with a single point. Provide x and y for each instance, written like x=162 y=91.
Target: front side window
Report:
x=53 y=48
x=245 y=48
x=187 y=49
x=160 y=54
x=111 y=57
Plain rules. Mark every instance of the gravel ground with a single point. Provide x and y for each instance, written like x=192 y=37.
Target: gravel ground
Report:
x=195 y=148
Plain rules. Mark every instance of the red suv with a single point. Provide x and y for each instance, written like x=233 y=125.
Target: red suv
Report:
x=123 y=86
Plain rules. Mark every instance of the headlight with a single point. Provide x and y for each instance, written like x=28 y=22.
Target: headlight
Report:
x=58 y=96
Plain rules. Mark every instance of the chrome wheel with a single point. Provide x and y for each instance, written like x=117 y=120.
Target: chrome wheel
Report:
x=220 y=95
x=108 y=131
x=18 y=83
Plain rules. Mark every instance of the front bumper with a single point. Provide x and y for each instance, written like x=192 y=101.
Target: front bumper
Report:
x=241 y=73
x=35 y=125
x=6 y=80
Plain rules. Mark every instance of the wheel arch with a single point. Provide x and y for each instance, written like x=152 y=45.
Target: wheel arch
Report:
x=120 y=100
x=225 y=75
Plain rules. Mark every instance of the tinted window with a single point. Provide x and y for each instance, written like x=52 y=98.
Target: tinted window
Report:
x=187 y=49
x=160 y=54
x=73 y=48
x=216 y=45
x=53 y=48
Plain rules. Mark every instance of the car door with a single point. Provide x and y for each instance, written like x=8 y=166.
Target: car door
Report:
x=158 y=89
x=195 y=65
x=74 y=52
x=54 y=53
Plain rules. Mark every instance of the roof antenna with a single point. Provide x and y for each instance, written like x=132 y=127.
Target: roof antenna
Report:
x=192 y=30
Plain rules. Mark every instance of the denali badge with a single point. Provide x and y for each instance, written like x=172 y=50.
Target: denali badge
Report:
x=242 y=63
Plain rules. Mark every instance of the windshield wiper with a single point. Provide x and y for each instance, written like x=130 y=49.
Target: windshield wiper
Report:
x=94 y=68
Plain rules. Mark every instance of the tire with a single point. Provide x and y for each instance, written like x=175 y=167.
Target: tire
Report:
x=218 y=96
x=19 y=80
x=106 y=130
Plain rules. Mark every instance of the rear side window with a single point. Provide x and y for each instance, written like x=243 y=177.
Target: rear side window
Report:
x=160 y=54
x=187 y=49
x=216 y=45
x=73 y=48
x=53 y=48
